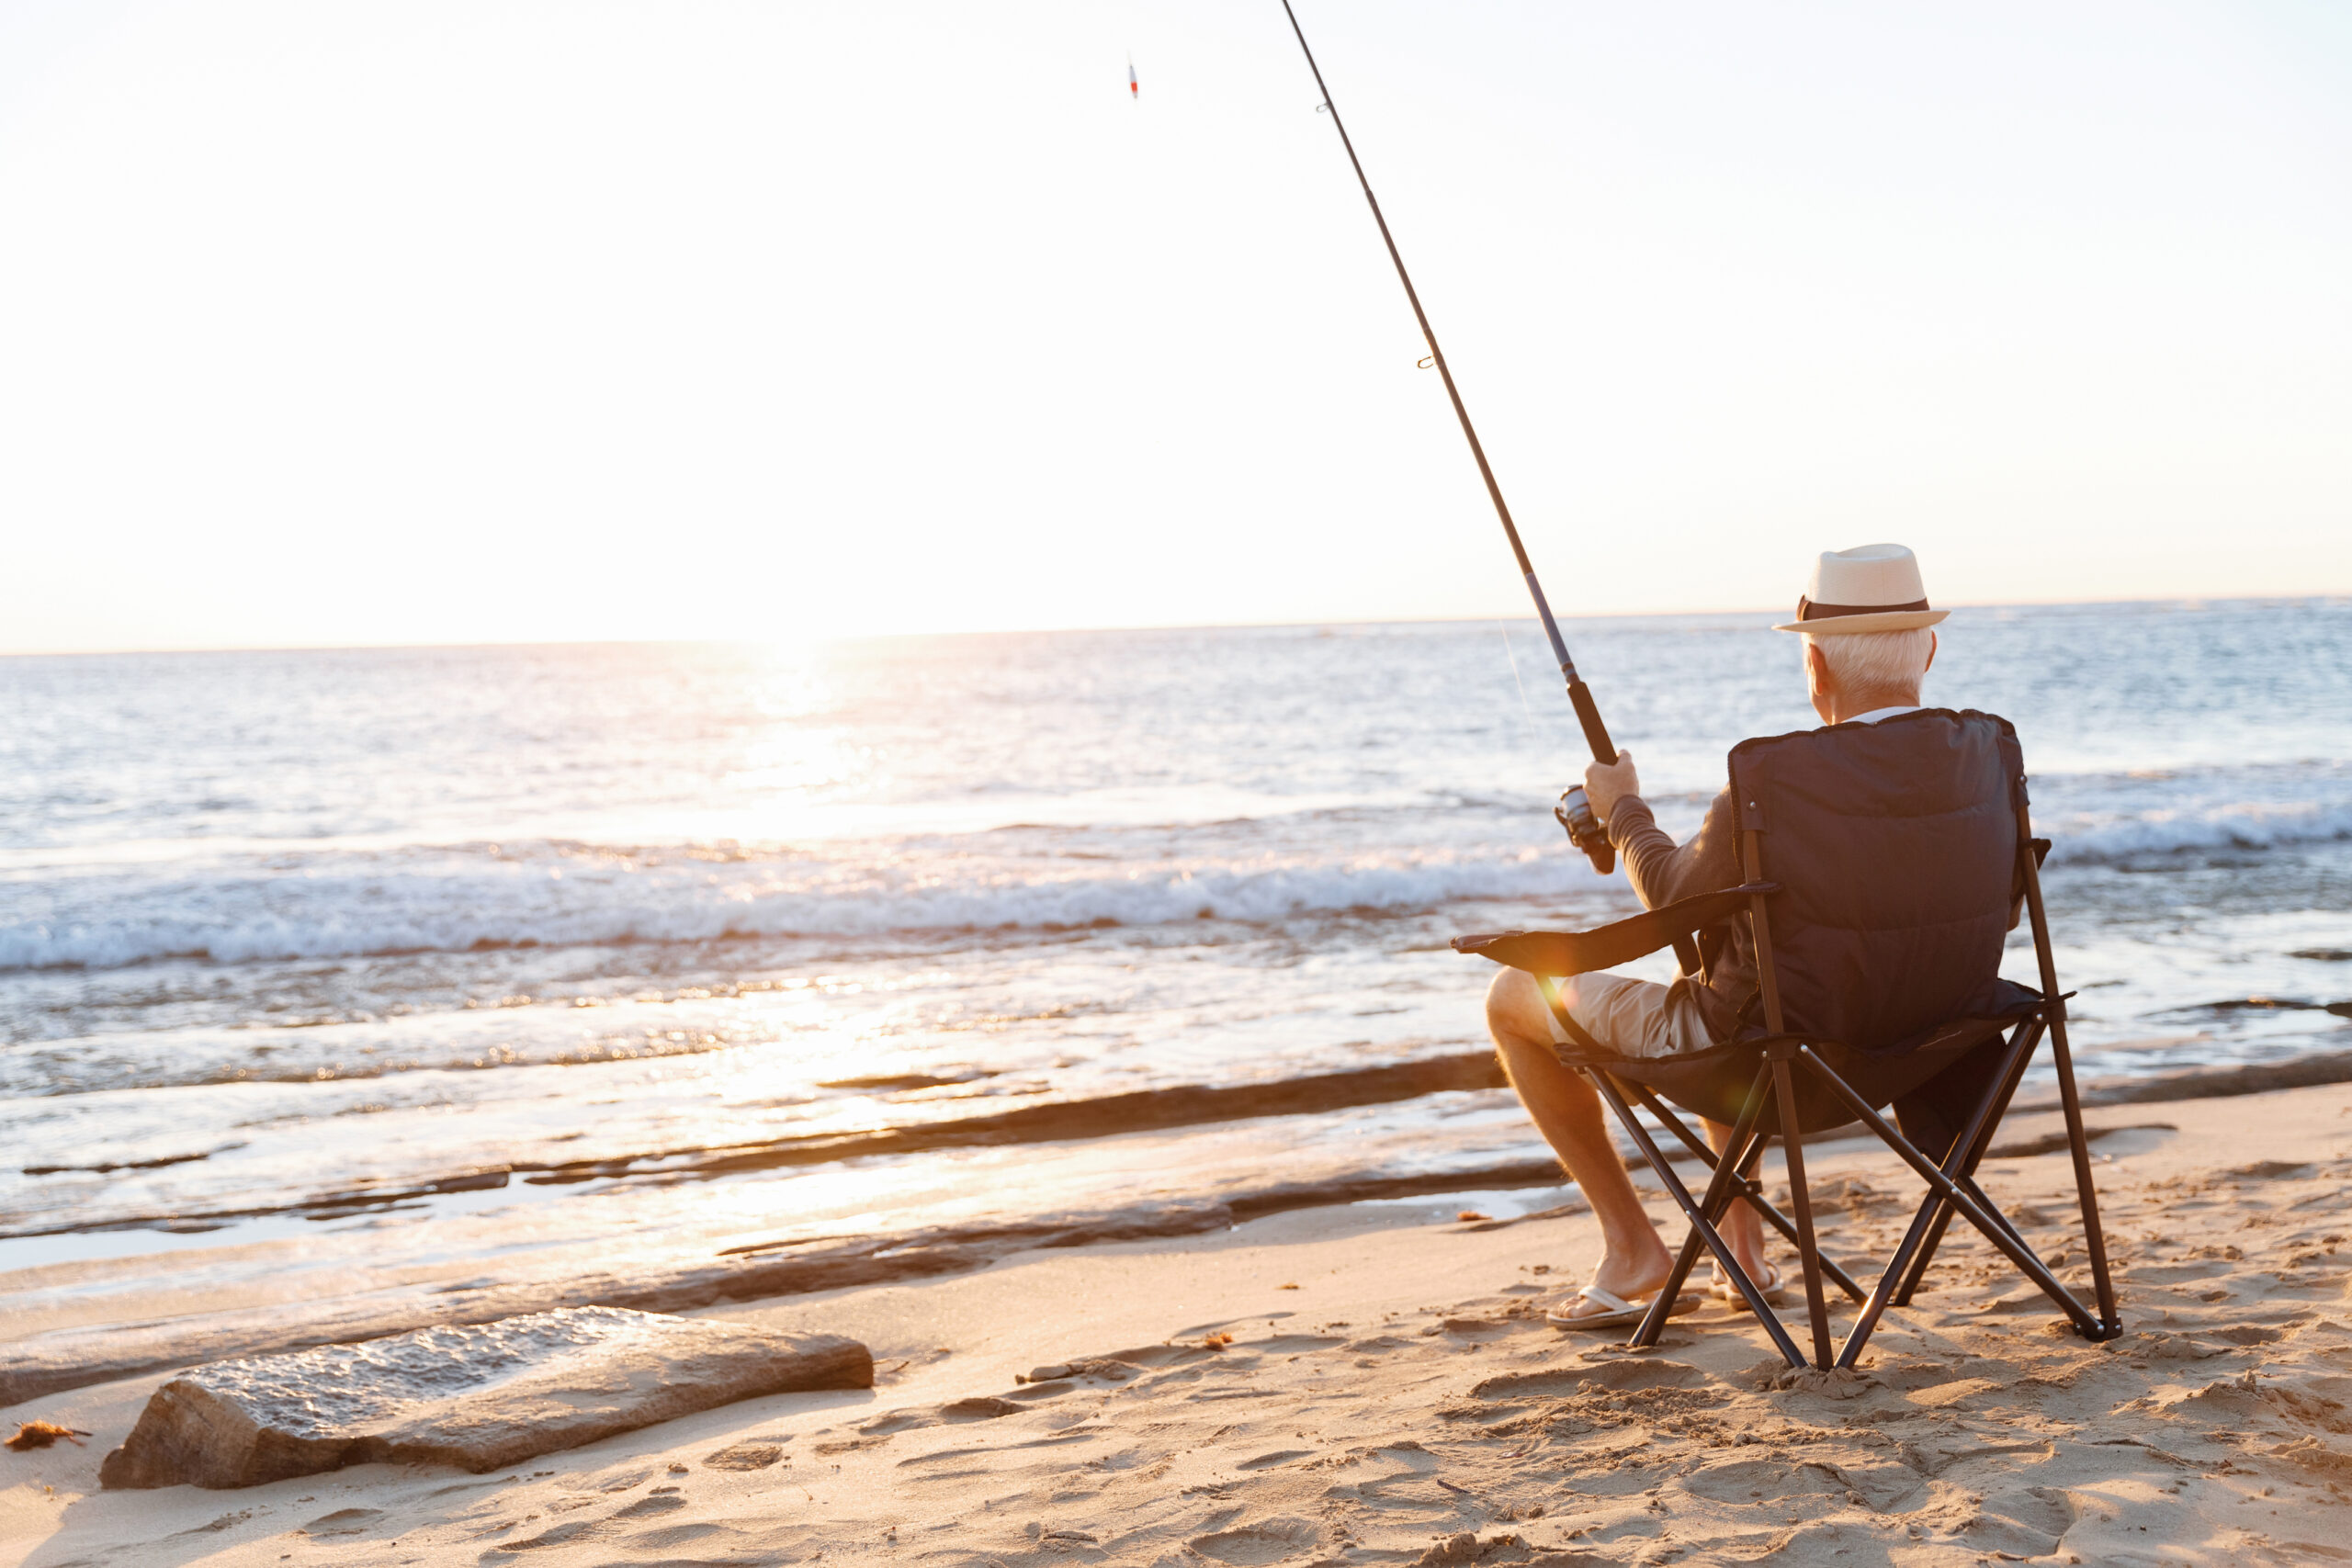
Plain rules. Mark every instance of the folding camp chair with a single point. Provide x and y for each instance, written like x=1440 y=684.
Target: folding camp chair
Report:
x=1897 y=853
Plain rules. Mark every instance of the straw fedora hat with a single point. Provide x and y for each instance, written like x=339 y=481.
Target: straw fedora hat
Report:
x=1871 y=588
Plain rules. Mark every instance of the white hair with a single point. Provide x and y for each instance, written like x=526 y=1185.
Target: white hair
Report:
x=1877 y=660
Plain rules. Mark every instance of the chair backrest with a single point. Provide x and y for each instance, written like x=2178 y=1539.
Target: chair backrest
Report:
x=1894 y=844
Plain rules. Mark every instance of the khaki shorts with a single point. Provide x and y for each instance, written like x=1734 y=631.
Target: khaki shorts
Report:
x=1633 y=1018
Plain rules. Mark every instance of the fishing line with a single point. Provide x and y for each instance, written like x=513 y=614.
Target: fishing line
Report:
x=1524 y=705
x=1573 y=811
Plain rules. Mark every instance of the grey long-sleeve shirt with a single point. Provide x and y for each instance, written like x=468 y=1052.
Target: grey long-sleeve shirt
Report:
x=1662 y=871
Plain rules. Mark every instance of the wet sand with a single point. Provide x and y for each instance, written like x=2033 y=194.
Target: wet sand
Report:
x=1391 y=1394
x=144 y=1301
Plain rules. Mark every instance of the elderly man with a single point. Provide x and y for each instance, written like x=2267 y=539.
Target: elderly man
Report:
x=1864 y=623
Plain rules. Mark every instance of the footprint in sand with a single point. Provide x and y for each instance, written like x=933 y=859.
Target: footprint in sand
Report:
x=1269 y=1541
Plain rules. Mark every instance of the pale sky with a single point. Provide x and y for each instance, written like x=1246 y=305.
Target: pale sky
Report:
x=494 y=319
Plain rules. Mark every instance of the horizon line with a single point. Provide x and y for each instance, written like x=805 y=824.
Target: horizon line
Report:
x=2184 y=601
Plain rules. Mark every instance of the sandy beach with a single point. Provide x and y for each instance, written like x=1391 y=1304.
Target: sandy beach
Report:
x=763 y=768
x=1390 y=1393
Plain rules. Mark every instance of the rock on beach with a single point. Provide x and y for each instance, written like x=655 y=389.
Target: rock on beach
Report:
x=478 y=1397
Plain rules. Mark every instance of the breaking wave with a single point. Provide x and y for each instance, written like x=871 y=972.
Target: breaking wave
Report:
x=546 y=895
x=318 y=914
x=2107 y=840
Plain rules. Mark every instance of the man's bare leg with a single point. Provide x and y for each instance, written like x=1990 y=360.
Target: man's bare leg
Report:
x=1633 y=1261
x=1742 y=1229
x=1568 y=1113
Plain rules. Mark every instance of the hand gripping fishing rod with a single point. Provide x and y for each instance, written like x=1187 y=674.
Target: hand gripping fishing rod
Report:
x=1573 y=811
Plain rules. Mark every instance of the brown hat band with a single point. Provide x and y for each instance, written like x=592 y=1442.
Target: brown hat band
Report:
x=1809 y=611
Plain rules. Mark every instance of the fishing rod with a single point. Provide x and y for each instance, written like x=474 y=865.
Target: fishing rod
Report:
x=1573 y=811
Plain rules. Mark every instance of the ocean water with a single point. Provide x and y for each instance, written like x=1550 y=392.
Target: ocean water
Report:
x=388 y=944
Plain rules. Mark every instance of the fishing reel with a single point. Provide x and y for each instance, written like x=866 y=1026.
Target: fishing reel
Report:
x=1574 y=814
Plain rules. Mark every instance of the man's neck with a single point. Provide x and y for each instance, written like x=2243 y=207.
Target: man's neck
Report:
x=1853 y=704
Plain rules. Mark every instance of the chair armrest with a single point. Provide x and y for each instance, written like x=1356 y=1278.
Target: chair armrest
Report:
x=1582 y=953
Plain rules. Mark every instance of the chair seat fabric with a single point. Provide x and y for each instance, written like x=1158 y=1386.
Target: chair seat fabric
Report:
x=1715 y=1083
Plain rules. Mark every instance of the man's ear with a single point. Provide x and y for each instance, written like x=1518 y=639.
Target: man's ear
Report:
x=1930 y=664
x=1816 y=665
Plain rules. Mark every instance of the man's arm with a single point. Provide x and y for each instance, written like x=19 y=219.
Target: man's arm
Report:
x=1660 y=870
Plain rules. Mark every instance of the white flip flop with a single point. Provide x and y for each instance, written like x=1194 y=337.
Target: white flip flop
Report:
x=1616 y=1311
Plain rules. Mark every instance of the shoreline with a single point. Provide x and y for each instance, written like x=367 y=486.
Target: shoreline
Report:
x=1392 y=1389
x=102 y=1349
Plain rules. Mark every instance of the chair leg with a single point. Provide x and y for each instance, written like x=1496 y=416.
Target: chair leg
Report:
x=1944 y=1212
x=2062 y=1056
x=1927 y=1226
x=1788 y=1231
x=1664 y=1170
x=1934 y=1212
x=2021 y=1043
x=1960 y=1159
x=2095 y=1243
x=1748 y=1190
x=1952 y=1192
x=1985 y=1199
x=1641 y=1096
x=1808 y=1247
x=1927 y=1252
x=1652 y=1323
x=1724 y=1177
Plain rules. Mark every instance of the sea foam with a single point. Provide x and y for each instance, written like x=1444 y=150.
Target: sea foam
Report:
x=567 y=896
x=457 y=906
